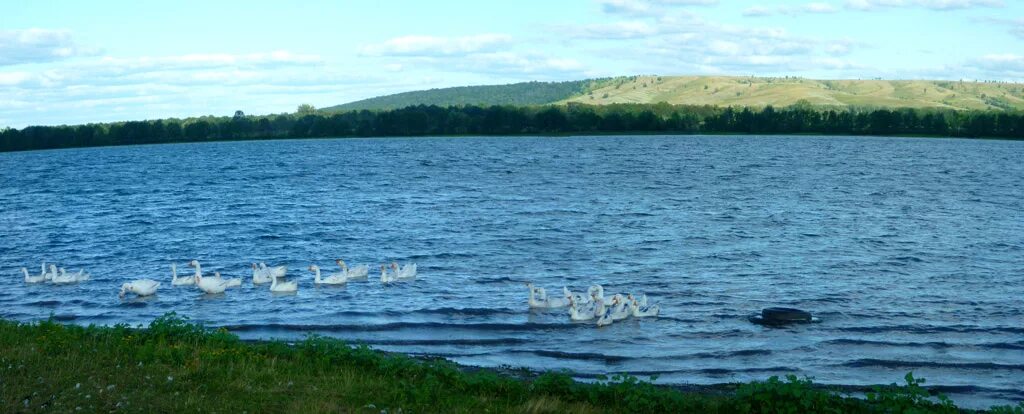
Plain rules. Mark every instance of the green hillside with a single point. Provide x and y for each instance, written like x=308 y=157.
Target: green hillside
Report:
x=526 y=93
x=721 y=91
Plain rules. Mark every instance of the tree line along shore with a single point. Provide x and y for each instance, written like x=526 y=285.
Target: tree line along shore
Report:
x=570 y=119
x=175 y=366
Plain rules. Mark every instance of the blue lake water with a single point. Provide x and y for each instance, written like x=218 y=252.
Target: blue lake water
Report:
x=911 y=251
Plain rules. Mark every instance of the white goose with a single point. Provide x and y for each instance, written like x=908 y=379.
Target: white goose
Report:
x=332 y=279
x=274 y=272
x=260 y=275
x=577 y=298
x=63 y=277
x=581 y=311
x=619 y=311
x=641 y=310
x=33 y=279
x=600 y=307
x=81 y=276
x=360 y=272
x=208 y=284
x=539 y=299
x=404 y=272
x=47 y=275
x=386 y=277
x=640 y=300
x=233 y=282
x=596 y=291
x=140 y=287
x=284 y=287
x=606 y=317
x=180 y=281
x=537 y=296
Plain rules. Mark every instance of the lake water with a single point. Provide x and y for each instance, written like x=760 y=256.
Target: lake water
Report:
x=911 y=251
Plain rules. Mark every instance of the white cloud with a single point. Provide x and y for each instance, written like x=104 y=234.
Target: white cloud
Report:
x=437 y=46
x=115 y=88
x=625 y=6
x=819 y=8
x=815 y=7
x=1005 y=63
x=14 y=78
x=869 y=5
x=520 y=63
x=1016 y=26
x=37 y=45
x=686 y=42
x=838 y=48
x=757 y=11
x=277 y=58
x=616 y=30
x=648 y=7
x=487 y=55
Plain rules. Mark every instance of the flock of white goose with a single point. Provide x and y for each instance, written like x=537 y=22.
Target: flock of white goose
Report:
x=54 y=276
x=261 y=274
x=594 y=305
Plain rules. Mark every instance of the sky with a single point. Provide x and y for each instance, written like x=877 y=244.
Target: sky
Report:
x=71 y=62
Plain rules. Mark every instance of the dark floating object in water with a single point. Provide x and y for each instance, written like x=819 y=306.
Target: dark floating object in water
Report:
x=782 y=316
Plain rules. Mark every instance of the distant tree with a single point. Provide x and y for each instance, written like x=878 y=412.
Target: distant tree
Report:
x=305 y=109
x=502 y=120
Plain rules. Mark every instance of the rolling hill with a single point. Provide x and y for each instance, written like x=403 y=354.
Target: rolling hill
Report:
x=526 y=93
x=720 y=91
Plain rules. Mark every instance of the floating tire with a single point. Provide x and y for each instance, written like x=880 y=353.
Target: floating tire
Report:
x=781 y=316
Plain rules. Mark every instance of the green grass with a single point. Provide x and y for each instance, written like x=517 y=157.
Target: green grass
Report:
x=736 y=91
x=518 y=94
x=781 y=92
x=174 y=366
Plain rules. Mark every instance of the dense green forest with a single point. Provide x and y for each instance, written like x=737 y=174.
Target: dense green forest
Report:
x=517 y=94
x=512 y=120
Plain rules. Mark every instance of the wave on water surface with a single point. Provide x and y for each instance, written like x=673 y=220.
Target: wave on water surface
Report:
x=857 y=230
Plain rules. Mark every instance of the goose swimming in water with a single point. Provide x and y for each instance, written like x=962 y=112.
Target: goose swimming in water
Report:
x=539 y=298
x=640 y=300
x=260 y=275
x=284 y=287
x=603 y=316
x=232 y=282
x=600 y=306
x=578 y=298
x=404 y=272
x=47 y=275
x=207 y=284
x=140 y=287
x=639 y=307
x=581 y=312
x=620 y=310
x=180 y=281
x=332 y=279
x=386 y=277
x=64 y=278
x=33 y=279
x=275 y=272
x=360 y=272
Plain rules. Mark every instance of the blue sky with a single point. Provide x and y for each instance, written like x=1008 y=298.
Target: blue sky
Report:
x=97 y=61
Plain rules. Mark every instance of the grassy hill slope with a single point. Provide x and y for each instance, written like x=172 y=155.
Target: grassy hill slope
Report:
x=759 y=92
x=721 y=91
x=526 y=93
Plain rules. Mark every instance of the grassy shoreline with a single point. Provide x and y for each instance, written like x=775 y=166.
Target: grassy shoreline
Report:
x=175 y=366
